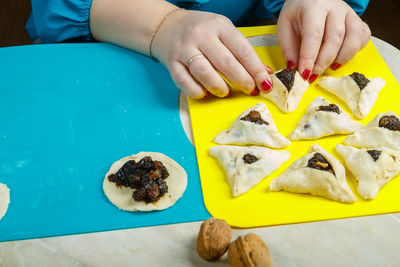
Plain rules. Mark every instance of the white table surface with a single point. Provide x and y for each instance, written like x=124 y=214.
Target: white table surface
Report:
x=363 y=241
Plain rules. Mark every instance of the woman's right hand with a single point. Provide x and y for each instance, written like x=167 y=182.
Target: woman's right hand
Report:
x=194 y=46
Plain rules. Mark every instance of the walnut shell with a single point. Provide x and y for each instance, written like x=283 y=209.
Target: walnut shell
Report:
x=213 y=239
x=249 y=251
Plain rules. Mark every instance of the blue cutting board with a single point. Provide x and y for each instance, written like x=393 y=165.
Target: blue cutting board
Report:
x=67 y=112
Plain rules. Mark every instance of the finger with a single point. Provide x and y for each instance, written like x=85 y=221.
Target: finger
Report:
x=312 y=31
x=353 y=40
x=241 y=49
x=202 y=70
x=367 y=34
x=184 y=81
x=335 y=31
x=289 y=42
x=223 y=61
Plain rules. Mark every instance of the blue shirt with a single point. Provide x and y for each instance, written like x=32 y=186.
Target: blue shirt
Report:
x=68 y=20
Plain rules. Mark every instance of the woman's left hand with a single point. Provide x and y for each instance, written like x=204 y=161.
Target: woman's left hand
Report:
x=316 y=34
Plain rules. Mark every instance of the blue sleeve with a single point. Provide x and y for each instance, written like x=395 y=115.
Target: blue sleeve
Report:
x=60 y=20
x=275 y=6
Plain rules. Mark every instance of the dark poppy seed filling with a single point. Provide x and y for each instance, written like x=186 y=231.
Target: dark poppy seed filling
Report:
x=360 y=79
x=374 y=154
x=330 y=108
x=255 y=117
x=320 y=163
x=146 y=176
x=390 y=122
x=249 y=159
x=287 y=78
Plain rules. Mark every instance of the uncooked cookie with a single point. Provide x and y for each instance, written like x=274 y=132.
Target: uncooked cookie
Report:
x=121 y=196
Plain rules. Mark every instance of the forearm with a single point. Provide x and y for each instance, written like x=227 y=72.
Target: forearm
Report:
x=128 y=23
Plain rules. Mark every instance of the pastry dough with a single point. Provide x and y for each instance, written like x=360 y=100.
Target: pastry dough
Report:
x=322 y=119
x=261 y=131
x=122 y=196
x=4 y=199
x=372 y=135
x=372 y=167
x=246 y=166
x=360 y=101
x=300 y=178
x=286 y=100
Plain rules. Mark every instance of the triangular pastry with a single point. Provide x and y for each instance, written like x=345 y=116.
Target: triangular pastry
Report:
x=317 y=173
x=383 y=130
x=322 y=119
x=358 y=92
x=254 y=126
x=246 y=166
x=372 y=167
x=288 y=88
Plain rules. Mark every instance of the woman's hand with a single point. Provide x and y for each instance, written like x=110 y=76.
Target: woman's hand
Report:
x=194 y=46
x=316 y=34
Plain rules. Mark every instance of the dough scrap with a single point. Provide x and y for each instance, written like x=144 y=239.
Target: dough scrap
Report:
x=122 y=196
x=317 y=123
x=4 y=199
x=371 y=135
x=246 y=132
x=286 y=100
x=243 y=176
x=299 y=178
x=359 y=101
x=371 y=175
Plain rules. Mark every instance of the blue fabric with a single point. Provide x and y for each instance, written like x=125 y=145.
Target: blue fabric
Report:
x=62 y=20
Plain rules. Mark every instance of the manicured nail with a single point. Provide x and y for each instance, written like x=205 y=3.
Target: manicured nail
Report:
x=305 y=74
x=335 y=66
x=255 y=92
x=270 y=71
x=229 y=94
x=290 y=64
x=266 y=85
x=313 y=77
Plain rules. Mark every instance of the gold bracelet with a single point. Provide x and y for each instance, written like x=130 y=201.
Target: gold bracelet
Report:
x=157 y=29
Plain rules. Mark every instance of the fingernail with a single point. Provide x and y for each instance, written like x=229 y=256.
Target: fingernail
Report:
x=266 y=85
x=290 y=64
x=270 y=71
x=229 y=94
x=305 y=74
x=207 y=94
x=313 y=77
x=335 y=66
x=255 y=92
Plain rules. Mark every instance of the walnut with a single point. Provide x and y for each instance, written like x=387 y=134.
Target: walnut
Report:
x=213 y=239
x=248 y=251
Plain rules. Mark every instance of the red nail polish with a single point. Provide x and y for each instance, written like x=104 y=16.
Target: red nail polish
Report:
x=313 y=77
x=207 y=94
x=255 y=92
x=305 y=74
x=335 y=66
x=290 y=64
x=266 y=85
x=270 y=71
x=229 y=94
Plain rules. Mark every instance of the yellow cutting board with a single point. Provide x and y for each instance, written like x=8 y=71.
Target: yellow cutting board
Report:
x=259 y=206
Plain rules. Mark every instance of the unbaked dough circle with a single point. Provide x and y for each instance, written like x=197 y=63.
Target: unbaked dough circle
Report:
x=122 y=196
x=4 y=199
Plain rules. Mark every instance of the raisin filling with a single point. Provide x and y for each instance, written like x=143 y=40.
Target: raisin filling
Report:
x=287 y=78
x=146 y=176
x=255 y=117
x=360 y=79
x=374 y=154
x=330 y=108
x=249 y=159
x=390 y=122
x=320 y=163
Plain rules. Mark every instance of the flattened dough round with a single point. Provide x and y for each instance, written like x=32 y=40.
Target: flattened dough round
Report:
x=122 y=196
x=4 y=199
